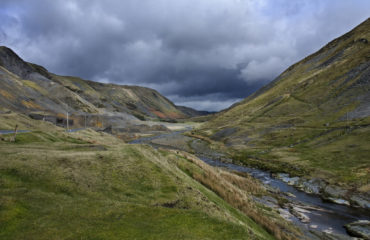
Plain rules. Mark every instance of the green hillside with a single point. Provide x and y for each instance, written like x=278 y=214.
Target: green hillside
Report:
x=89 y=185
x=313 y=120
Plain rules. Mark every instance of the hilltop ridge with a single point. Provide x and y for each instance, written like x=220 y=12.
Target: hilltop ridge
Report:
x=28 y=87
x=312 y=121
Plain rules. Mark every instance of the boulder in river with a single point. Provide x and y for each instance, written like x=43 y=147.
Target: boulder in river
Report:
x=360 y=201
x=289 y=180
x=285 y=213
x=359 y=228
x=300 y=213
x=312 y=186
x=335 y=191
x=338 y=201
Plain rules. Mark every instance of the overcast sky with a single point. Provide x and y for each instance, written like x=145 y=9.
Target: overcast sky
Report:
x=205 y=54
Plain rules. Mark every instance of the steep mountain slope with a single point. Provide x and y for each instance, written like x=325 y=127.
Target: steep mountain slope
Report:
x=27 y=87
x=314 y=119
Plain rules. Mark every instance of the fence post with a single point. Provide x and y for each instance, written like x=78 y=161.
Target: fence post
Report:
x=67 y=122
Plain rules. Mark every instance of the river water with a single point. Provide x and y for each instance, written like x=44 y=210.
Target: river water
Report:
x=323 y=216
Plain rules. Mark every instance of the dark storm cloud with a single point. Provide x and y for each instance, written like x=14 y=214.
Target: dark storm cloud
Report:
x=206 y=54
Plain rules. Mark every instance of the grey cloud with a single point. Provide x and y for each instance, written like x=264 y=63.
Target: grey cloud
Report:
x=215 y=51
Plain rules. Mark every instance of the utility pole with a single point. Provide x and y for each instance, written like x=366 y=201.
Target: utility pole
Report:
x=67 y=121
x=15 y=132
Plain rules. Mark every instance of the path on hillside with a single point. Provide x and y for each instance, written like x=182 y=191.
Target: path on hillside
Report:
x=12 y=131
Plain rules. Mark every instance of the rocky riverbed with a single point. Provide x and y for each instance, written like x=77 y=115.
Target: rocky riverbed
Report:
x=328 y=192
x=320 y=210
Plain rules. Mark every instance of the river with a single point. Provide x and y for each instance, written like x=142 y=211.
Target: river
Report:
x=323 y=216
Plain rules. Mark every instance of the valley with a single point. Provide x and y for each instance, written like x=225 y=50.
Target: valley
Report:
x=316 y=216
x=112 y=189
x=88 y=160
x=311 y=122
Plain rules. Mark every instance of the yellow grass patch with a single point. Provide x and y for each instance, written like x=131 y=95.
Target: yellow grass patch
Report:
x=30 y=104
x=6 y=94
x=365 y=188
x=35 y=87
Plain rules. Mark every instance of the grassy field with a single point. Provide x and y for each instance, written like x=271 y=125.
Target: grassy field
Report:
x=90 y=185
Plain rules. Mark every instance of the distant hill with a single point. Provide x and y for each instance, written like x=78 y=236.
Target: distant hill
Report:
x=192 y=112
x=27 y=87
x=314 y=119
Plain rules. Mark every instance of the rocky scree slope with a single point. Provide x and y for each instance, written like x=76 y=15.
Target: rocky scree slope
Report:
x=27 y=87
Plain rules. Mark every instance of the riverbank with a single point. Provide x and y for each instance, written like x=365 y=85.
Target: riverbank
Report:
x=296 y=200
x=311 y=181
